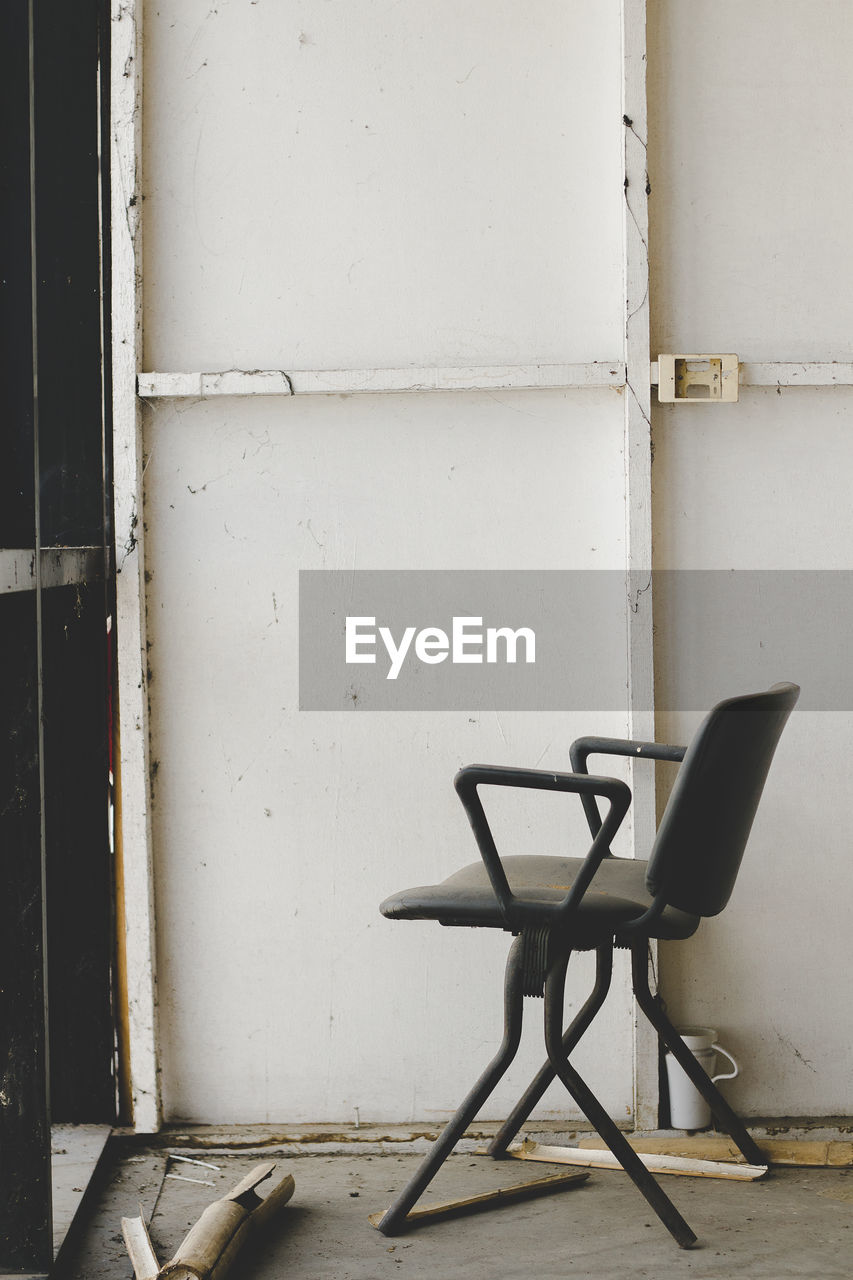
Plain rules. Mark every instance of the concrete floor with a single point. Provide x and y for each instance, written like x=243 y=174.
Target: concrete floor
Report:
x=796 y=1222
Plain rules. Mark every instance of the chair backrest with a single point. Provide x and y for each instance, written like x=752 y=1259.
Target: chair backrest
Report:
x=706 y=824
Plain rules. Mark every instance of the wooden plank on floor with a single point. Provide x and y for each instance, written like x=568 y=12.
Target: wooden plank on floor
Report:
x=655 y=1162
x=490 y=1199
x=831 y=1154
x=140 y=1249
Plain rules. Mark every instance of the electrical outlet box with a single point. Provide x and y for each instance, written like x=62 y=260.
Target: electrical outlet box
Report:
x=697 y=379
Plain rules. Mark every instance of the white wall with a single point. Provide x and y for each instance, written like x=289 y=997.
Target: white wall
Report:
x=750 y=224
x=283 y=993
x=749 y=127
x=355 y=186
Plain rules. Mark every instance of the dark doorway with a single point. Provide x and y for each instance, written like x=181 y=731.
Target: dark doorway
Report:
x=56 y=916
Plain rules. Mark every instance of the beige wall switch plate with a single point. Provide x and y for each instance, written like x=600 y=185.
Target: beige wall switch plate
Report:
x=699 y=379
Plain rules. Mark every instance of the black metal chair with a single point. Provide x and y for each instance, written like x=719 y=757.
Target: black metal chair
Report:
x=555 y=906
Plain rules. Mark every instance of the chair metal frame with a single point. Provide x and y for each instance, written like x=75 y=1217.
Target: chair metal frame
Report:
x=539 y=956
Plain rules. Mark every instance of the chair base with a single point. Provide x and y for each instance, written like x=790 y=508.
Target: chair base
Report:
x=559 y=1046
x=394 y=1218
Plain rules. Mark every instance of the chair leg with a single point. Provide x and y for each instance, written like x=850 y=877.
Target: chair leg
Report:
x=393 y=1220
x=595 y=1113
x=723 y=1113
x=579 y=1025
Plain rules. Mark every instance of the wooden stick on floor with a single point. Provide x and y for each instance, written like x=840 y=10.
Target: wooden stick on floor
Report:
x=490 y=1199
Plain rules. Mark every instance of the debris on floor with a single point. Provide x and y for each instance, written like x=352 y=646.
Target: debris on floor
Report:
x=796 y=1222
x=212 y=1244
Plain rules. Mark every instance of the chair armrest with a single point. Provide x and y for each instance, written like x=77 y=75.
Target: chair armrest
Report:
x=586 y=785
x=582 y=748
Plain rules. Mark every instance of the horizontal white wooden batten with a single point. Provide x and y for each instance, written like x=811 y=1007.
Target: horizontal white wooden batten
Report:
x=278 y=382
x=776 y=373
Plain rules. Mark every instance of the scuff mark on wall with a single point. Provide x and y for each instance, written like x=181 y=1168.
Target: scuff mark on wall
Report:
x=636 y=593
x=792 y=1048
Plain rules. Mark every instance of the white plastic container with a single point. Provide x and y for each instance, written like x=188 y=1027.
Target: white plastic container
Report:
x=687 y=1108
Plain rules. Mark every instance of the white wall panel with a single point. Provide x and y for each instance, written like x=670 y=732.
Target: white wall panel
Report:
x=355 y=184
x=765 y=484
x=749 y=127
x=750 y=130
x=762 y=484
x=283 y=994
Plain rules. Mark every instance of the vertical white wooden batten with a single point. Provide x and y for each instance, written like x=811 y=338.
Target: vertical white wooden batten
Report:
x=135 y=908
x=638 y=485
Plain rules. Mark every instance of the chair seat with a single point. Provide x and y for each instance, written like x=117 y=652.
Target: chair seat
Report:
x=617 y=894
